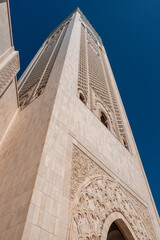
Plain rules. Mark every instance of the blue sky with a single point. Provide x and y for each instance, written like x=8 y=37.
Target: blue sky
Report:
x=131 y=35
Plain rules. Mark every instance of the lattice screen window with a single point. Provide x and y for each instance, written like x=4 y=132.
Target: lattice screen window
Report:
x=36 y=78
x=97 y=77
x=104 y=120
x=103 y=102
x=92 y=42
x=82 y=71
x=121 y=130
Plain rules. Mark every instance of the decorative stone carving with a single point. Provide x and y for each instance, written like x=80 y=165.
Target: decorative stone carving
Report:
x=27 y=97
x=143 y=212
x=93 y=75
x=82 y=167
x=36 y=80
x=82 y=70
x=8 y=72
x=98 y=106
x=95 y=195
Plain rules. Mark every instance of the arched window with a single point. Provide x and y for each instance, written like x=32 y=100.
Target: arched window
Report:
x=83 y=25
x=115 y=233
x=125 y=143
x=82 y=98
x=104 y=120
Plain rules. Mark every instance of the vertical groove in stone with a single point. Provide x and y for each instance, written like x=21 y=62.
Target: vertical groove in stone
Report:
x=96 y=74
x=36 y=80
x=48 y=69
x=121 y=129
x=82 y=71
x=99 y=81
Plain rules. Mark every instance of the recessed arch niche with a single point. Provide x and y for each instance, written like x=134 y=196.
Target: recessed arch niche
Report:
x=115 y=233
x=116 y=227
x=98 y=200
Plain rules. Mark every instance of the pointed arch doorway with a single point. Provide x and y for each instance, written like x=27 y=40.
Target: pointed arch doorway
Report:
x=115 y=233
x=116 y=227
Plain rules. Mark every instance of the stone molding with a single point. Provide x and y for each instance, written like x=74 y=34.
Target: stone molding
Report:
x=94 y=195
x=121 y=222
x=8 y=72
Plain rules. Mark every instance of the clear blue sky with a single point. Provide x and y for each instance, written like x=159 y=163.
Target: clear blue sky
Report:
x=130 y=31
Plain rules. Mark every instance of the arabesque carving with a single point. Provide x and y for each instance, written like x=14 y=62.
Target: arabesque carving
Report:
x=82 y=167
x=95 y=195
x=8 y=72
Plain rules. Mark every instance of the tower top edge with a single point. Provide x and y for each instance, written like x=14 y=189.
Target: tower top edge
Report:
x=89 y=24
x=83 y=17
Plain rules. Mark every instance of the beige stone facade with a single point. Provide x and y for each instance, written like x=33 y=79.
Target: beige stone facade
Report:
x=69 y=166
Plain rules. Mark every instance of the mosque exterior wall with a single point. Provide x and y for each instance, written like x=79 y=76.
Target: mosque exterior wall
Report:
x=64 y=173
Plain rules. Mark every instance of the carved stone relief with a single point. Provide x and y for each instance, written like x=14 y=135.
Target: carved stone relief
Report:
x=36 y=80
x=99 y=105
x=82 y=70
x=8 y=72
x=95 y=195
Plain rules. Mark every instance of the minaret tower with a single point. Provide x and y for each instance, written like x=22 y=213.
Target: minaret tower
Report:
x=70 y=166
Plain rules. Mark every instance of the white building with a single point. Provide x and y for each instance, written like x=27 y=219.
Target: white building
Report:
x=69 y=166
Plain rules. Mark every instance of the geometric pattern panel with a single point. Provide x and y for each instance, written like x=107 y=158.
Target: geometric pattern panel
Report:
x=96 y=75
x=92 y=67
x=8 y=72
x=121 y=129
x=35 y=81
x=95 y=195
x=82 y=70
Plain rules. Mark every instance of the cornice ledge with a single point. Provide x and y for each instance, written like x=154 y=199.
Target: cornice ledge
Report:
x=8 y=71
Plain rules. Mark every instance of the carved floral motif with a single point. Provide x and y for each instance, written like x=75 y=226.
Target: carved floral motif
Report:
x=82 y=167
x=8 y=72
x=95 y=195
